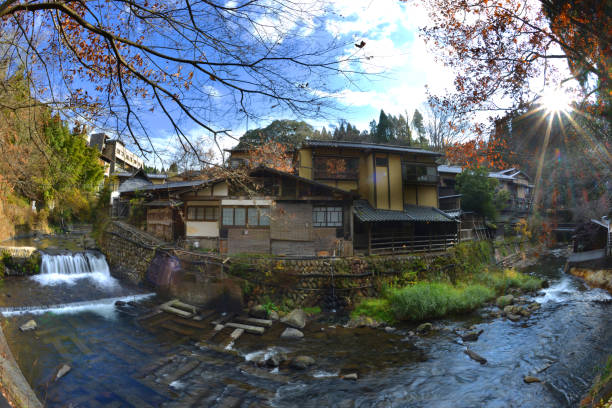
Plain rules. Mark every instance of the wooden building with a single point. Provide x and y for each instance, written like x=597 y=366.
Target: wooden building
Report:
x=343 y=198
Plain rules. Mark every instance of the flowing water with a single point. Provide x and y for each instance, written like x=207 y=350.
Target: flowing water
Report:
x=118 y=361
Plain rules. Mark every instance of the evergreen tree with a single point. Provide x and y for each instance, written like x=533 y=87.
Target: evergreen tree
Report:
x=383 y=130
x=418 y=126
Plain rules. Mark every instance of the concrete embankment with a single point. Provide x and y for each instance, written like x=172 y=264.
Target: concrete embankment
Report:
x=12 y=382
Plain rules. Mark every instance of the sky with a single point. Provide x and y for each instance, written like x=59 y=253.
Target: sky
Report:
x=399 y=64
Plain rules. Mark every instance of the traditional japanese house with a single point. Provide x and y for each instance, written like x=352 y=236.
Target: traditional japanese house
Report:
x=267 y=211
x=397 y=210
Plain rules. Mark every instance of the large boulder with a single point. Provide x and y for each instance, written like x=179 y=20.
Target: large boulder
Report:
x=302 y=362
x=504 y=301
x=296 y=319
x=291 y=333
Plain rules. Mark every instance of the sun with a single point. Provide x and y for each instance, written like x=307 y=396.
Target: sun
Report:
x=555 y=100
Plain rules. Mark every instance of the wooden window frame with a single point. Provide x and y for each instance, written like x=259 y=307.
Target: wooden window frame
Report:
x=204 y=216
x=320 y=173
x=246 y=216
x=326 y=210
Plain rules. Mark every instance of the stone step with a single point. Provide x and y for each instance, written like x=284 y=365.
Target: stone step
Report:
x=247 y=328
x=254 y=321
x=170 y=309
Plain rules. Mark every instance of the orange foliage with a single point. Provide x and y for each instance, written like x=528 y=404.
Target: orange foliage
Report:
x=273 y=155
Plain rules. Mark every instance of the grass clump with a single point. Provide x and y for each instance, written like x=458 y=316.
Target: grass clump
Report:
x=509 y=278
x=378 y=309
x=432 y=299
x=314 y=310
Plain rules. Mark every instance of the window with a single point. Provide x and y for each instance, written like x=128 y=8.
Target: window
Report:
x=246 y=216
x=336 y=168
x=419 y=172
x=382 y=161
x=327 y=216
x=201 y=213
x=240 y=216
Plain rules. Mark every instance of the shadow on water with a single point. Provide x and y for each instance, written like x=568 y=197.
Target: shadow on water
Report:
x=116 y=360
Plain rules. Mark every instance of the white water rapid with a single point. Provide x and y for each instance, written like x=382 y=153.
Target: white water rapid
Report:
x=68 y=268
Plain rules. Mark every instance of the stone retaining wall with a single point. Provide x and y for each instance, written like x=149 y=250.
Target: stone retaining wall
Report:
x=128 y=251
x=12 y=382
x=338 y=282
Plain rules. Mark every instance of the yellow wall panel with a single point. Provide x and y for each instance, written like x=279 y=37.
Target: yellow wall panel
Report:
x=382 y=188
x=395 y=182
x=347 y=185
x=305 y=163
x=410 y=195
x=428 y=196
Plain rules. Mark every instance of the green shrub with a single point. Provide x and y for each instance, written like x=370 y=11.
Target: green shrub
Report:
x=509 y=278
x=377 y=309
x=430 y=300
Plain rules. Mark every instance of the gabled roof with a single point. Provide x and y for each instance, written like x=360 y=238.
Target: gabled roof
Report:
x=366 y=213
x=368 y=146
x=136 y=181
x=508 y=174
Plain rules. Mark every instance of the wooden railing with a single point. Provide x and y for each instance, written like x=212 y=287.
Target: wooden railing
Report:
x=398 y=243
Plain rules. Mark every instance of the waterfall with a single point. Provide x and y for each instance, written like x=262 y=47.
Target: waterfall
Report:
x=68 y=268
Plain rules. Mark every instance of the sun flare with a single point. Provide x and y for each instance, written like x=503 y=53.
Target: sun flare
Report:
x=555 y=100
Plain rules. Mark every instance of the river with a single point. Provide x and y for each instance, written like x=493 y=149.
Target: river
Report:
x=118 y=361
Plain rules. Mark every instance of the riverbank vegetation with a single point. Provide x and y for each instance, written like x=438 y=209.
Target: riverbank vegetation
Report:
x=472 y=281
x=49 y=176
x=600 y=395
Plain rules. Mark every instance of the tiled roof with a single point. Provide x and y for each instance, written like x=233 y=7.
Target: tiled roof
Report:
x=167 y=186
x=364 y=211
x=443 y=168
x=367 y=146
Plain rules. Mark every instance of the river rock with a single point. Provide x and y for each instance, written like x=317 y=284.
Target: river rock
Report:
x=350 y=376
x=64 y=369
x=302 y=362
x=472 y=335
x=513 y=317
x=27 y=326
x=475 y=356
x=525 y=312
x=258 y=312
x=504 y=301
x=273 y=315
x=534 y=306
x=275 y=359
x=296 y=319
x=424 y=328
x=512 y=310
x=530 y=379
x=119 y=303
x=362 y=321
x=291 y=333
x=390 y=329
x=545 y=284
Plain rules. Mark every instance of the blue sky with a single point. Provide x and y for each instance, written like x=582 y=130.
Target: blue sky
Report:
x=398 y=61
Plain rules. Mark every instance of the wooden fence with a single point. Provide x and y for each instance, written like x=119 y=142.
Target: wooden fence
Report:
x=400 y=243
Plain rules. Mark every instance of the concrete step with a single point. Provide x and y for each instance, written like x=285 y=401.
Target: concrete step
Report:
x=255 y=322
x=247 y=328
